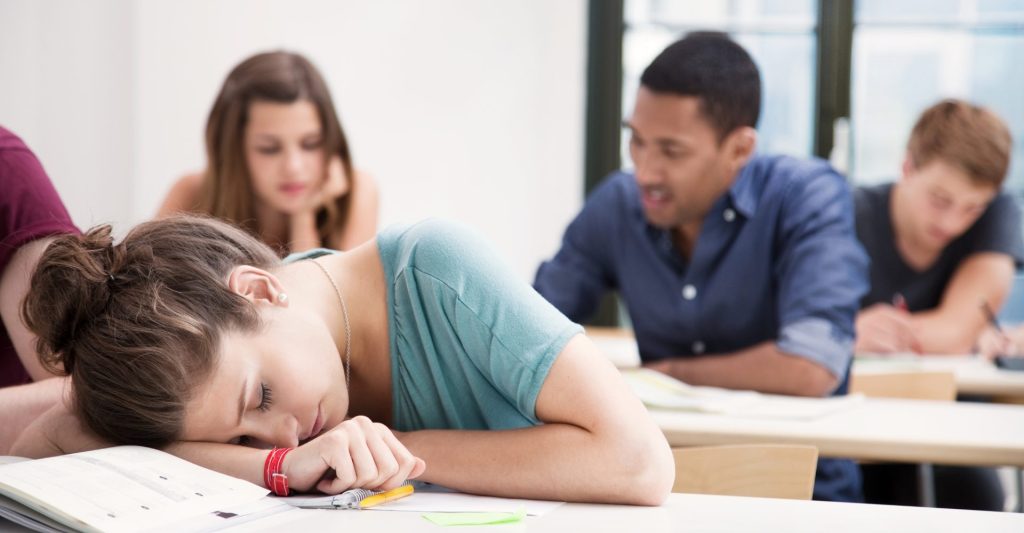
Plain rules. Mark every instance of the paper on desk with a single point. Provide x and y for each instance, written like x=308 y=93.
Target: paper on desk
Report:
x=660 y=391
x=456 y=502
x=910 y=362
x=430 y=498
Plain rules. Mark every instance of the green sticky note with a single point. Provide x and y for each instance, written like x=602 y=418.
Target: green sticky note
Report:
x=475 y=519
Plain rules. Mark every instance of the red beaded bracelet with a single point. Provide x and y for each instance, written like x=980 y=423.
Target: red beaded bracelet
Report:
x=273 y=477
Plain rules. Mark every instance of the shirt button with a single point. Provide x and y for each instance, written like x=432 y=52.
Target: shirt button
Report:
x=729 y=215
x=698 y=347
x=689 y=292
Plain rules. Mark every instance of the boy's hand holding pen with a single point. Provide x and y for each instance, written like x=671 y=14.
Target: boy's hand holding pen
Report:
x=900 y=303
x=995 y=343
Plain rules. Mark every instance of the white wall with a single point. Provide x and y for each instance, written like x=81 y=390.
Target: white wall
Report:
x=462 y=109
x=66 y=89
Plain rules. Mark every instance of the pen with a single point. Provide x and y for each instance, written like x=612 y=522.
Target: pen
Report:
x=899 y=302
x=385 y=497
x=991 y=317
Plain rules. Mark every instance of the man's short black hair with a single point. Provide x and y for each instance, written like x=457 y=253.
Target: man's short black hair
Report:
x=714 y=68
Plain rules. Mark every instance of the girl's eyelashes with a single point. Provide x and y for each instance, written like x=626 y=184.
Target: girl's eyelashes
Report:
x=266 y=398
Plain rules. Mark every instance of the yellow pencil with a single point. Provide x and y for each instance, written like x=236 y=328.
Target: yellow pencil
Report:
x=385 y=497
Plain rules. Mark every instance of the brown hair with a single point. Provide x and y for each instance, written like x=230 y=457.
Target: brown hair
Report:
x=964 y=135
x=282 y=77
x=137 y=324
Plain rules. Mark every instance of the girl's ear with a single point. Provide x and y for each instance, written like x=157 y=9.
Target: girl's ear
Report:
x=257 y=285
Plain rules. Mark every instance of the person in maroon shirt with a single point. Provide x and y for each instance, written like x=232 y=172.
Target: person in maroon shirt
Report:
x=31 y=213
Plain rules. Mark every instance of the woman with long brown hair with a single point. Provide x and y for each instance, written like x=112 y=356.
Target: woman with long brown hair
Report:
x=417 y=354
x=278 y=162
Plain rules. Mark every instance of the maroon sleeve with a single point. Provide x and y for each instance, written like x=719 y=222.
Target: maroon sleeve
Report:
x=29 y=209
x=29 y=205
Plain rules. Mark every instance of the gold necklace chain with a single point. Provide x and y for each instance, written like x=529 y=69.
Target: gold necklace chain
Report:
x=348 y=329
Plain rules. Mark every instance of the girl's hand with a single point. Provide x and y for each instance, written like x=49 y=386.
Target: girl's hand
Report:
x=302 y=232
x=336 y=184
x=357 y=453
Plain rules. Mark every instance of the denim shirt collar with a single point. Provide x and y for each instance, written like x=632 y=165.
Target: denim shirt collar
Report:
x=741 y=194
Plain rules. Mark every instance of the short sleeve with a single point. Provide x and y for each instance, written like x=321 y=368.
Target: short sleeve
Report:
x=30 y=208
x=478 y=312
x=998 y=230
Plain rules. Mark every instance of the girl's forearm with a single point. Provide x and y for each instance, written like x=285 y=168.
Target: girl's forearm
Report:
x=231 y=459
x=552 y=461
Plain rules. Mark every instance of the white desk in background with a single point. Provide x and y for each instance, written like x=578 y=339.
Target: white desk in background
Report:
x=973 y=375
x=682 y=512
x=872 y=430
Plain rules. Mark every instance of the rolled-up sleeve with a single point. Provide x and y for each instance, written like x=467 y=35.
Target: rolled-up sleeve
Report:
x=822 y=273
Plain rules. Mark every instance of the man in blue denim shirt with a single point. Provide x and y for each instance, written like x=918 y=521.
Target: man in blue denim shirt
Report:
x=738 y=270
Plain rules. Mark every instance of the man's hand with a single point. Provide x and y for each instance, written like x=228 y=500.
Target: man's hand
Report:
x=994 y=343
x=661 y=365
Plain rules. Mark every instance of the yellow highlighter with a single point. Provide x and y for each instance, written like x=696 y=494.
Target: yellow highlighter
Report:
x=386 y=496
x=364 y=499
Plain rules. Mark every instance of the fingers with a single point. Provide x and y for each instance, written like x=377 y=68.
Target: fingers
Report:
x=988 y=344
x=418 y=469
x=343 y=464
x=337 y=180
x=885 y=329
x=369 y=456
x=994 y=343
x=407 y=466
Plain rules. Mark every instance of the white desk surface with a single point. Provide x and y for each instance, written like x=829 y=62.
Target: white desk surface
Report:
x=682 y=512
x=875 y=429
x=959 y=433
x=973 y=375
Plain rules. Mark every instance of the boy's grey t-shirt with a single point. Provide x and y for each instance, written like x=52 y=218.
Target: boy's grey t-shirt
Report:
x=471 y=344
x=997 y=230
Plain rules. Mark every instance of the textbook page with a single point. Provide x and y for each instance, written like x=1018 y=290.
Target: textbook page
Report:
x=660 y=391
x=125 y=488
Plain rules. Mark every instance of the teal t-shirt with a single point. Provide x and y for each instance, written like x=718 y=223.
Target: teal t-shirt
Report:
x=471 y=344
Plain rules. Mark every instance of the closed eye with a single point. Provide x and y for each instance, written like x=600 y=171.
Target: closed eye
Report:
x=266 y=398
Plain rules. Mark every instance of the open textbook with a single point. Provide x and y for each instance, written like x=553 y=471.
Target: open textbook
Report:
x=130 y=488
x=659 y=391
x=127 y=488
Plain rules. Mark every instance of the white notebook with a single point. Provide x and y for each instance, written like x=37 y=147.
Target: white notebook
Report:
x=660 y=391
x=127 y=488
